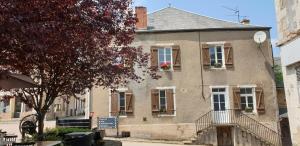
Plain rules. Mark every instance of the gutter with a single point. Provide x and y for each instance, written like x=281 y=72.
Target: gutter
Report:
x=205 y=29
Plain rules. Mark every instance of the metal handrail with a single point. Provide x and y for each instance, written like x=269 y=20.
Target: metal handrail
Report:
x=237 y=118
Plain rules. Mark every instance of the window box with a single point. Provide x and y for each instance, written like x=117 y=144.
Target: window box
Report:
x=165 y=66
x=248 y=109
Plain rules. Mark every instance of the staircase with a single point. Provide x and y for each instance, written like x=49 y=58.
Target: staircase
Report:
x=240 y=120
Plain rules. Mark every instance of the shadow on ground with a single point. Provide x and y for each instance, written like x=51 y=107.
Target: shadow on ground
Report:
x=110 y=143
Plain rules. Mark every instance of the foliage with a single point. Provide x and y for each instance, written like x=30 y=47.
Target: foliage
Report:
x=278 y=76
x=67 y=46
x=55 y=134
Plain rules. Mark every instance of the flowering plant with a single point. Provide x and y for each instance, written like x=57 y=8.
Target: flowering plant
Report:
x=165 y=65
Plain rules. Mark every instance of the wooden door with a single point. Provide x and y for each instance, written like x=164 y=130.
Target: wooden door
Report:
x=224 y=136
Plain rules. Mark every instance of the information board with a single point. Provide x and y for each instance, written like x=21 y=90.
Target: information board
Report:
x=108 y=123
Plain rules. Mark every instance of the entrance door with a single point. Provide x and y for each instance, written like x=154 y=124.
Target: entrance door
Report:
x=219 y=99
x=224 y=136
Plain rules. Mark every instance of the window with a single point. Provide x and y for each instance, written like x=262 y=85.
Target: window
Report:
x=122 y=102
x=162 y=101
x=216 y=53
x=219 y=102
x=165 y=58
x=247 y=102
x=57 y=107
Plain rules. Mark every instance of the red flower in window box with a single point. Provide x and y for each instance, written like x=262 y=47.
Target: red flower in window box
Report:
x=165 y=65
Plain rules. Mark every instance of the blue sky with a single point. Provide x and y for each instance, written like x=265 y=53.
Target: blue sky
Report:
x=260 y=12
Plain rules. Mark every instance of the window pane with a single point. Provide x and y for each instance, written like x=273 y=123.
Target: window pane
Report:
x=219 y=49
x=222 y=89
x=162 y=93
x=243 y=90
x=161 y=51
x=222 y=98
x=216 y=99
x=250 y=99
x=250 y=105
x=168 y=51
x=162 y=101
x=212 y=62
x=215 y=90
x=243 y=99
x=122 y=99
x=222 y=106
x=249 y=90
x=168 y=58
x=216 y=107
x=219 y=56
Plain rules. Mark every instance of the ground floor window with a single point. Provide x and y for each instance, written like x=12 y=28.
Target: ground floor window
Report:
x=121 y=103
x=163 y=101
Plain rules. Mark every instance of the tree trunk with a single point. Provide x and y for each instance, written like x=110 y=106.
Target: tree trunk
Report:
x=41 y=118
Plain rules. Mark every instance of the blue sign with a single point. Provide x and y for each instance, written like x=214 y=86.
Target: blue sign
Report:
x=108 y=123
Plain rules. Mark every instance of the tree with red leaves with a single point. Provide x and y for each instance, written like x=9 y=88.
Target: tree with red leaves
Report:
x=67 y=46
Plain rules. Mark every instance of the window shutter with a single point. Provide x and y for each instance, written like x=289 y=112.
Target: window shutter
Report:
x=170 y=101
x=236 y=98
x=129 y=102
x=228 y=51
x=154 y=57
x=260 y=103
x=176 y=57
x=114 y=104
x=205 y=56
x=155 y=100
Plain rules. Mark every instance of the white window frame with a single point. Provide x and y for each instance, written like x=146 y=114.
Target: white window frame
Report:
x=109 y=101
x=119 y=103
x=174 y=100
x=215 y=44
x=226 y=93
x=158 y=57
x=253 y=95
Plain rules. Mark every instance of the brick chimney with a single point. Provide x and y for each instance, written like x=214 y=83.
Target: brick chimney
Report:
x=245 y=21
x=141 y=15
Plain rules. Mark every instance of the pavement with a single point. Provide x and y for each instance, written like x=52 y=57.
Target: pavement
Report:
x=12 y=127
x=129 y=143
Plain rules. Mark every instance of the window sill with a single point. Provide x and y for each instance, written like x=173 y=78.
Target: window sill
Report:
x=124 y=116
x=221 y=68
x=166 y=115
x=248 y=113
x=170 y=70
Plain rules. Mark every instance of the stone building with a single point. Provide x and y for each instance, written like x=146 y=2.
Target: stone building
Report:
x=288 y=20
x=217 y=85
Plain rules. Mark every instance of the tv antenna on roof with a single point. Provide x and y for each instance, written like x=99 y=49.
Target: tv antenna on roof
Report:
x=236 y=12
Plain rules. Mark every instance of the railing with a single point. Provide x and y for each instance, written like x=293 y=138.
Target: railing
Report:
x=237 y=118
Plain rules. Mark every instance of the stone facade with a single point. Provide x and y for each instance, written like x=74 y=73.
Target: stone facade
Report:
x=252 y=67
x=288 y=20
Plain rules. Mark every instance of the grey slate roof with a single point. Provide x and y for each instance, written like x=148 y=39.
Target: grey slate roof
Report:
x=174 y=19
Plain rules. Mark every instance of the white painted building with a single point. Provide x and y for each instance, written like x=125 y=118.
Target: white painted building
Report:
x=288 y=20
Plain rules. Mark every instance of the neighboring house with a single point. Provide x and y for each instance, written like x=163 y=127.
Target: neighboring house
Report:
x=288 y=20
x=11 y=107
x=67 y=107
x=217 y=84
